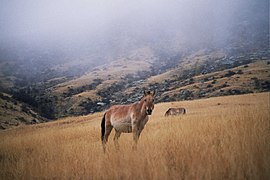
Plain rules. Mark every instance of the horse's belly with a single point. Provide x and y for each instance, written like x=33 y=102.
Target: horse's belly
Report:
x=123 y=125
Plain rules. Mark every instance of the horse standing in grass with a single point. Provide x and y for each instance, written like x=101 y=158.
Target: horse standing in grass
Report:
x=175 y=111
x=127 y=119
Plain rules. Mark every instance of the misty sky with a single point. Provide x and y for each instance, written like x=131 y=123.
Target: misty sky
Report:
x=120 y=24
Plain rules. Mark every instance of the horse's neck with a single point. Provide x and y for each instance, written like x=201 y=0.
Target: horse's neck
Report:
x=139 y=108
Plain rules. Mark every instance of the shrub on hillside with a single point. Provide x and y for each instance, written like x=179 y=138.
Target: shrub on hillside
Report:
x=229 y=73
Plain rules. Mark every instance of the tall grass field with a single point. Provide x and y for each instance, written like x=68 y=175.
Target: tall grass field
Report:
x=219 y=138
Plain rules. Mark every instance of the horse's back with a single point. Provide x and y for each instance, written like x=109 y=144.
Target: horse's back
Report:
x=175 y=111
x=118 y=110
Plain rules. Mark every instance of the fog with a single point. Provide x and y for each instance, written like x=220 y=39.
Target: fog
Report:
x=94 y=30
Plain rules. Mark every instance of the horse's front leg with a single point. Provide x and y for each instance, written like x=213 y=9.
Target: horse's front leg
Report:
x=136 y=134
x=135 y=140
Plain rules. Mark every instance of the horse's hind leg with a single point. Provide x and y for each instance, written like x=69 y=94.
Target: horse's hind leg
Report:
x=108 y=130
x=116 y=137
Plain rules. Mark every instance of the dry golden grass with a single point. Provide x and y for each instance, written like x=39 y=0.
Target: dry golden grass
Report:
x=218 y=138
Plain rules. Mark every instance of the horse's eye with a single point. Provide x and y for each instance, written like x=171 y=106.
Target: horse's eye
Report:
x=145 y=100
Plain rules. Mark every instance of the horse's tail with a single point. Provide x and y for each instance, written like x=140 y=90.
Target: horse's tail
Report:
x=103 y=127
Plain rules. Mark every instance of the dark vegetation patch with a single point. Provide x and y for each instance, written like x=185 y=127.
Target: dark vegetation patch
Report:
x=73 y=91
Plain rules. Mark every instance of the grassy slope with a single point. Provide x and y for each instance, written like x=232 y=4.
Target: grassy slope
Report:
x=15 y=113
x=224 y=137
x=258 y=69
x=243 y=82
x=142 y=60
x=188 y=63
x=139 y=60
x=113 y=72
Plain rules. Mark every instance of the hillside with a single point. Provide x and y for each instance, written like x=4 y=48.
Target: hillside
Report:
x=221 y=137
x=15 y=113
x=242 y=79
x=202 y=74
x=199 y=74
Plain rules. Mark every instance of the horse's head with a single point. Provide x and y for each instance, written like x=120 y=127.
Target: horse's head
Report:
x=148 y=102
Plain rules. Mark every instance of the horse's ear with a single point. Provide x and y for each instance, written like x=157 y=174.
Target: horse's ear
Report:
x=144 y=93
x=154 y=92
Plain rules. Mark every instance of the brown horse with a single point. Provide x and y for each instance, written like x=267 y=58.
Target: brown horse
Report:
x=175 y=111
x=127 y=119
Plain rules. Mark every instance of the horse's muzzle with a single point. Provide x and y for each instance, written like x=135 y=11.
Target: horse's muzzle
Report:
x=149 y=111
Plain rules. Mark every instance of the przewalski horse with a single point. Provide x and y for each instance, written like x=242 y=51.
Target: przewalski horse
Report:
x=127 y=119
x=175 y=111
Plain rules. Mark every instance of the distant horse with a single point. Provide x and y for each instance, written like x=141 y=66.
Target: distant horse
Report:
x=127 y=119
x=175 y=111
